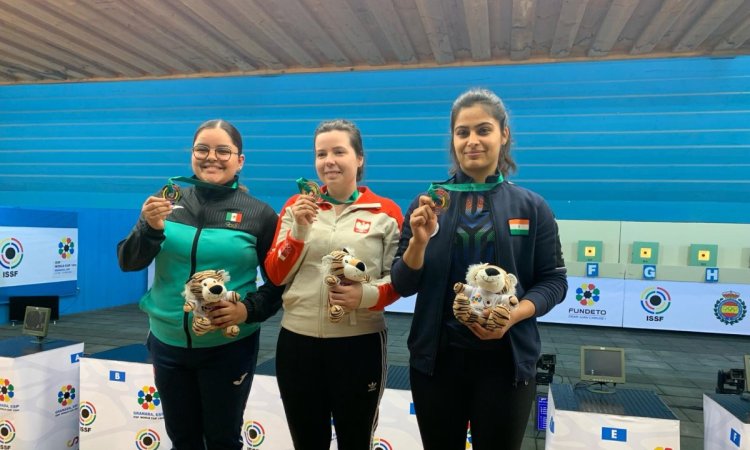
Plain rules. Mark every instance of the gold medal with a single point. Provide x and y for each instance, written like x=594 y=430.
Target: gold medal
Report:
x=171 y=192
x=310 y=187
x=442 y=200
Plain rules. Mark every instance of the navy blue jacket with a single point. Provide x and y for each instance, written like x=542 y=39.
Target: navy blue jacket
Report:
x=536 y=259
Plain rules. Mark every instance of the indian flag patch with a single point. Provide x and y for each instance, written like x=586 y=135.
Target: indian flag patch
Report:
x=236 y=217
x=519 y=227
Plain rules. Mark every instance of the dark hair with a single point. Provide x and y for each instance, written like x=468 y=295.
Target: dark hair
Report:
x=494 y=107
x=233 y=133
x=355 y=137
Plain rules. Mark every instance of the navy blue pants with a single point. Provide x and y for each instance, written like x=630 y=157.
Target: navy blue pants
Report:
x=472 y=386
x=204 y=391
x=331 y=378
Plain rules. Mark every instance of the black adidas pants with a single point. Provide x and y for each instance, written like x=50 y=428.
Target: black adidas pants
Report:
x=472 y=386
x=331 y=378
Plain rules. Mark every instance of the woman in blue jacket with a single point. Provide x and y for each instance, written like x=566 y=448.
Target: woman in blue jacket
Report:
x=461 y=374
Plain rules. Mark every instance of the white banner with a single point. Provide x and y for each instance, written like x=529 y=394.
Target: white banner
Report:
x=680 y=306
x=121 y=409
x=39 y=395
x=573 y=429
x=590 y=301
x=722 y=430
x=31 y=255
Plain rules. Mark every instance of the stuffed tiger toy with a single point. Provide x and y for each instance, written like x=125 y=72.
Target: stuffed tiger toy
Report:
x=202 y=291
x=487 y=287
x=340 y=267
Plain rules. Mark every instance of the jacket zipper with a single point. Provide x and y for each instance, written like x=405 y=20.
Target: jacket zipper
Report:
x=497 y=255
x=438 y=320
x=193 y=265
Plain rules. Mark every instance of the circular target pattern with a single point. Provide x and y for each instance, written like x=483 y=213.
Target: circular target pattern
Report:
x=381 y=444
x=7 y=432
x=147 y=439
x=254 y=433
x=11 y=253
x=87 y=414
x=655 y=300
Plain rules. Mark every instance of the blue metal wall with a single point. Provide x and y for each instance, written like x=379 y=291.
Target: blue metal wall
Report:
x=646 y=140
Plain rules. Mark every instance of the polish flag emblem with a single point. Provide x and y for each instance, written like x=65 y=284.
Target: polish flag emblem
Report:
x=362 y=226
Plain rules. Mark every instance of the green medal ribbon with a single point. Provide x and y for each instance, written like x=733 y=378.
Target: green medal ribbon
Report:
x=310 y=187
x=438 y=192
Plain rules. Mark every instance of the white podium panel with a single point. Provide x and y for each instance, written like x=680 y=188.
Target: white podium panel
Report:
x=120 y=406
x=726 y=422
x=39 y=387
x=580 y=419
x=121 y=409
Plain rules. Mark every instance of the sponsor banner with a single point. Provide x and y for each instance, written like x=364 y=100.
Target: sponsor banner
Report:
x=590 y=301
x=31 y=255
x=39 y=395
x=681 y=306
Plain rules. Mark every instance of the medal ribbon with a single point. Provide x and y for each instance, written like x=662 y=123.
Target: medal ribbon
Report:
x=463 y=187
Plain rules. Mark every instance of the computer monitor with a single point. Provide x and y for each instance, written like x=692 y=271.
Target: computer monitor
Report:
x=36 y=321
x=602 y=364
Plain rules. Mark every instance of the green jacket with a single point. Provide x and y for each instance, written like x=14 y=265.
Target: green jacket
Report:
x=210 y=228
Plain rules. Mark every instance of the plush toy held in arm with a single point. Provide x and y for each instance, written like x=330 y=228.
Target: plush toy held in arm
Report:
x=487 y=287
x=340 y=267
x=202 y=293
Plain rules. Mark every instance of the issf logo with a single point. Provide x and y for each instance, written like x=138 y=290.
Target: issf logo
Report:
x=253 y=433
x=147 y=439
x=87 y=414
x=7 y=432
x=381 y=444
x=655 y=301
x=11 y=255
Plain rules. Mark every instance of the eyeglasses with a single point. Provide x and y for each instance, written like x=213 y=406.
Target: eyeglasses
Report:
x=222 y=152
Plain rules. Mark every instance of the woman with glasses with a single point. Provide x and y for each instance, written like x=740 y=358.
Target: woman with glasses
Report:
x=214 y=224
x=333 y=367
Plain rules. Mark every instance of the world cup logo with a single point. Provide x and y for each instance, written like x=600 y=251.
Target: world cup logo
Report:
x=7 y=391
x=11 y=253
x=148 y=398
x=147 y=439
x=253 y=433
x=66 y=247
x=66 y=395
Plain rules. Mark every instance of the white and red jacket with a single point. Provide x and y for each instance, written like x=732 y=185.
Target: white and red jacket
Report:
x=370 y=227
